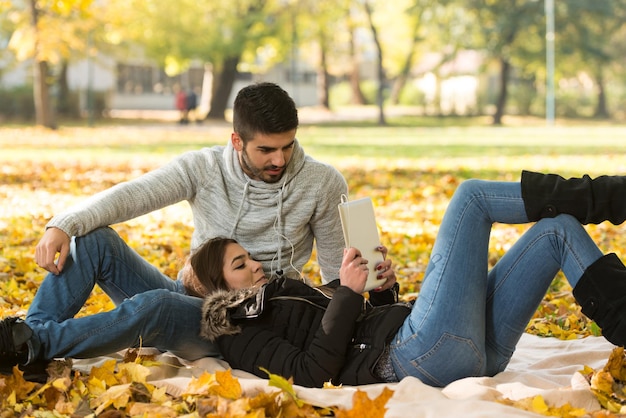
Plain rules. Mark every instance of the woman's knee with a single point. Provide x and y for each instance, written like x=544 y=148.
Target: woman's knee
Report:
x=470 y=187
x=561 y=222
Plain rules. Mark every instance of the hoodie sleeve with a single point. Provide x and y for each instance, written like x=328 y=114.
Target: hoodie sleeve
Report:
x=154 y=190
x=326 y=225
x=262 y=341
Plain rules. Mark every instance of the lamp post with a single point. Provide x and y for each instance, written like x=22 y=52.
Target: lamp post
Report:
x=550 y=102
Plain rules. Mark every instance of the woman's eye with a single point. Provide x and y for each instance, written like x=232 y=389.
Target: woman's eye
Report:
x=239 y=266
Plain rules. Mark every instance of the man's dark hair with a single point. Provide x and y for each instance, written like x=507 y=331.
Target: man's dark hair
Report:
x=263 y=108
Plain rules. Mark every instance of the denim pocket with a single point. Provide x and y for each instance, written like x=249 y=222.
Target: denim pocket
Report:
x=451 y=358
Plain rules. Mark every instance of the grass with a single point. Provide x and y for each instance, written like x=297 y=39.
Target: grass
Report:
x=333 y=141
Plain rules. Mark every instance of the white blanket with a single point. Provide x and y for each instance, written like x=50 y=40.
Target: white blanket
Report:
x=540 y=366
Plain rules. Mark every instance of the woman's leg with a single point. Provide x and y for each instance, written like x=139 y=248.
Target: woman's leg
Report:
x=520 y=279
x=467 y=321
x=444 y=336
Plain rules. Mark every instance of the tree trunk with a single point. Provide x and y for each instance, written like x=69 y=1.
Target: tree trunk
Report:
x=505 y=69
x=223 y=81
x=322 y=75
x=355 y=75
x=602 y=110
x=41 y=97
x=381 y=71
x=403 y=76
x=63 y=98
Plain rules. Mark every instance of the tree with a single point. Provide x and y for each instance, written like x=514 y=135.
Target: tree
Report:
x=222 y=35
x=590 y=39
x=49 y=32
x=380 y=70
x=505 y=27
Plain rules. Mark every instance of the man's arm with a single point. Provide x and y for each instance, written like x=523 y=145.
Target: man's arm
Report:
x=151 y=191
x=326 y=225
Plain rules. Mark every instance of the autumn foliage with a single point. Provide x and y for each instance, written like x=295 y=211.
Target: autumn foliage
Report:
x=409 y=201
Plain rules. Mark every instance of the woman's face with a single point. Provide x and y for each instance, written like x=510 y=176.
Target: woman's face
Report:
x=241 y=271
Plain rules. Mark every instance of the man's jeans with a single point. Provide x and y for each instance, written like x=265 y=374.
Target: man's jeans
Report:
x=467 y=320
x=151 y=309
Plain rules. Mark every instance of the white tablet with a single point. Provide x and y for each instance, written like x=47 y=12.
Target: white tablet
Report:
x=361 y=232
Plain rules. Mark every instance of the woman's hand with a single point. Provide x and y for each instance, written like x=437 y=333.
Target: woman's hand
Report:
x=385 y=271
x=354 y=270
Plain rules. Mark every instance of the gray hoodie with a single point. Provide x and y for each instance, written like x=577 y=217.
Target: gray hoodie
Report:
x=276 y=222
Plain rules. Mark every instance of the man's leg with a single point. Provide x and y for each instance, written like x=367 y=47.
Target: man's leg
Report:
x=158 y=318
x=100 y=257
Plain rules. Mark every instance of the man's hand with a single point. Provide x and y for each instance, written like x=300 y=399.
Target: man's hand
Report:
x=53 y=242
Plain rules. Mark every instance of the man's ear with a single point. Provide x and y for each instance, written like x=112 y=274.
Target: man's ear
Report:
x=236 y=140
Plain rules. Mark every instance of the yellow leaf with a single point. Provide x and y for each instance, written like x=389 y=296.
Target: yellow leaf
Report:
x=138 y=409
x=364 y=407
x=283 y=384
x=199 y=385
x=132 y=372
x=105 y=373
x=616 y=365
x=539 y=405
x=226 y=385
x=62 y=383
x=118 y=396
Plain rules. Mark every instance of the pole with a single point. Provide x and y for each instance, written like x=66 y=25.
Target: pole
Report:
x=550 y=101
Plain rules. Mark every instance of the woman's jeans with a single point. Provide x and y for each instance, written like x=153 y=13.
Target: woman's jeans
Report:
x=467 y=320
x=151 y=309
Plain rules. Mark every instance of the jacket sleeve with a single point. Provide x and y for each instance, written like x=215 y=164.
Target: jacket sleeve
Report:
x=386 y=297
x=261 y=344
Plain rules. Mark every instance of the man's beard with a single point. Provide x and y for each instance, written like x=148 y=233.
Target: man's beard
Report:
x=256 y=172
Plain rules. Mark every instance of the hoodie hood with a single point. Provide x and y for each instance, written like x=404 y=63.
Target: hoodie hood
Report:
x=260 y=193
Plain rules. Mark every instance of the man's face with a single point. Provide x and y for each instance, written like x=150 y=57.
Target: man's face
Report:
x=265 y=157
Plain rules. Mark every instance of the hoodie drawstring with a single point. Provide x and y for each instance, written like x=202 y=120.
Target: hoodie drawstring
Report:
x=279 y=229
x=238 y=216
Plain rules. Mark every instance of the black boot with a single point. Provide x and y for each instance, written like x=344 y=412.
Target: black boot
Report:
x=14 y=335
x=601 y=292
x=591 y=201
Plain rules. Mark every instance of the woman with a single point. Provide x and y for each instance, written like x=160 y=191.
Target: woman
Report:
x=466 y=321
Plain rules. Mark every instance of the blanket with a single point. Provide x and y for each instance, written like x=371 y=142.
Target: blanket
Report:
x=540 y=366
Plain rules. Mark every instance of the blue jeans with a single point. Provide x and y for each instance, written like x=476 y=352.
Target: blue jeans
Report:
x=467 y=320
x=151 y=309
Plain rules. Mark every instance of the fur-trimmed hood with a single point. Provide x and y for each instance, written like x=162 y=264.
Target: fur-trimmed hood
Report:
x=223 y=308
x=218 y=307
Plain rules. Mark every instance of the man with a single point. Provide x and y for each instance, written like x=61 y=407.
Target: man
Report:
x=260 y=189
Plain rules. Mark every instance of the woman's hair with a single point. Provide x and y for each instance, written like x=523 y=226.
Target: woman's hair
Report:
x=207 y=263
x=263 y=108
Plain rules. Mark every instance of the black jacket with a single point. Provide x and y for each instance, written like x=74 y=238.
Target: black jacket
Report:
x=314 y=335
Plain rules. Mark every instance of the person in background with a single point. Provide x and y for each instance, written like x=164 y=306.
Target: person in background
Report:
x=181 y=106
x=192 y=103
